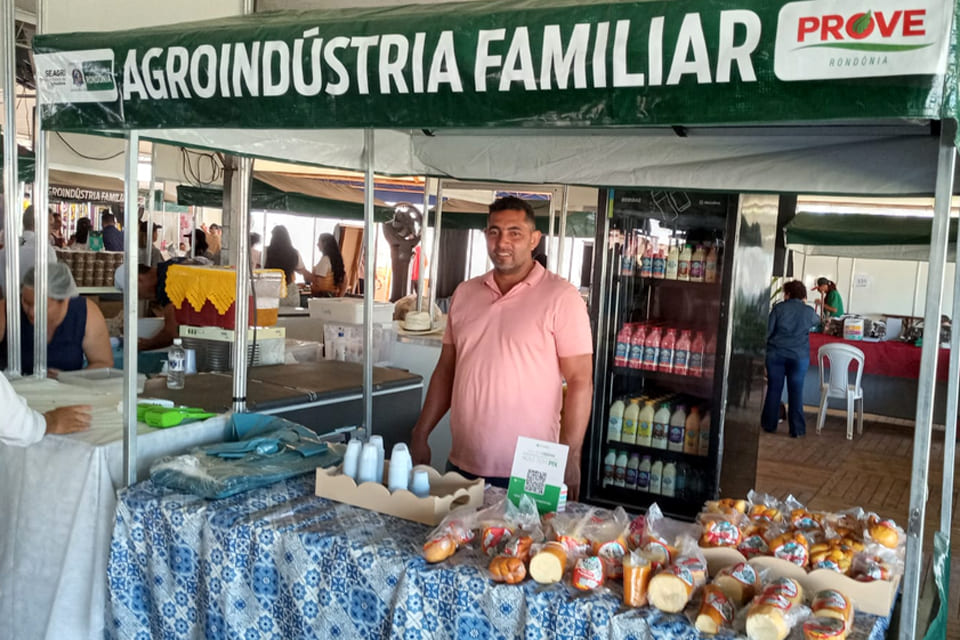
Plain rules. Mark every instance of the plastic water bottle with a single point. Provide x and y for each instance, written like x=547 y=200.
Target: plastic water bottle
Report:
x=176 y=365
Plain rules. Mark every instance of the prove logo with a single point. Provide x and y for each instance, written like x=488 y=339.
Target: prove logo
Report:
x=827 y=39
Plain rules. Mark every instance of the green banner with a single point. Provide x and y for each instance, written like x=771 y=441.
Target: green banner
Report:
x=532 y=63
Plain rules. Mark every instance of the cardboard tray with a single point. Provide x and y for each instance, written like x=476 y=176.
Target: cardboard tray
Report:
x=447 y=492
x=875 y=597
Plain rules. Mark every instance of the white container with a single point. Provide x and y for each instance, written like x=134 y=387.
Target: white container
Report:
x=401 y=464
x=348 y=310
x=377 y=441
x=384 y=337
x=367 y=469
x=853 y=328
x=615 y=424
x=669 y=480
x=656 y=477
x=351 y=459
x=420 y=484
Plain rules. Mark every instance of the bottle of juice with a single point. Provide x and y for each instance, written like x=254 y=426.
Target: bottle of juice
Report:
x=705 y=434
x=678 y=422
x=621 y=470
x=661 y=427
x=659 y=264
x=672 y=264
x=691 y=432
x=629 y=431
x=643 y=474
x=651 y=349
x=710 y=265
x=637 y=340
x=646 y=261
x=615 y=424
x=633 y=467
x=668 y=480
x=645 y=424
x=667 y=345
x=697 y=261
x=656 y=477
x=609 y=468
x=681 y=354
x=695 y=362
x=621 y=353
x=683 y=263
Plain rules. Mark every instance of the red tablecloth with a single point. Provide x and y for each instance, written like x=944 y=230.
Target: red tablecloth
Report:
x=889 y=358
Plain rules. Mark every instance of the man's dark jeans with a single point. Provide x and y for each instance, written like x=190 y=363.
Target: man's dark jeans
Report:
x=793 y=370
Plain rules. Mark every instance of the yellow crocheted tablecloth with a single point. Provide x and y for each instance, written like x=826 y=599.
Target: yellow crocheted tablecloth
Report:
x=197 y=284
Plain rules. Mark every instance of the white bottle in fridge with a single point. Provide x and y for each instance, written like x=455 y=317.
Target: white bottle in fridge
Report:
x=673 y=261
x=643 y=475
x=633 y=468
x=615 y=423
x=678 y=422
x=669 y=480
x=609 y=468
x=661 y=427
x=621 y=470
x=630 y=415
x=656 y=477
x=705 y=434
x=645 y=424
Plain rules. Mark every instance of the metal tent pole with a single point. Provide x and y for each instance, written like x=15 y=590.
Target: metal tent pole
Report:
x=926 y=386
x=953 y=388
x=435 y=250
x=240 y=224
x=130 y=300
x=41 y=217
x=11 y=206
x=370 y=279
x=562 y=245
x=551 y=249
x=420 y=267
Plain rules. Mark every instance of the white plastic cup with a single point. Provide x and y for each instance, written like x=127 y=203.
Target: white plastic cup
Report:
x=191 y=364
x=367 y=470
x=377 y=441
x=420 y=486
x=400 y=466
x=351 y=459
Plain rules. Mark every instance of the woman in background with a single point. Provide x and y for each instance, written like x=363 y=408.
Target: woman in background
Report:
x=79 y=239
x=329 y=276
x=281 y=254
x=788 y=357
x=830 y=301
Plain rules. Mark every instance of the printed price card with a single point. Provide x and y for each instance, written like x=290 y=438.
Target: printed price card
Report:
x=538 y=470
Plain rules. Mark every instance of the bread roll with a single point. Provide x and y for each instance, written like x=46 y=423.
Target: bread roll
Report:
x=636 y=579
x=830 y=603
x=547 y=566
x=740 y=583
x=716 y=610
x=824 y=629
x=766 y=619
x=439 y=549
x=884 y=532
x=507 y=569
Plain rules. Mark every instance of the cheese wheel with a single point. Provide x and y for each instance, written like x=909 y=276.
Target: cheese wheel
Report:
x=439 y=549
x=740 y=583
x=549 y=564
x=766 y=622
x=716 y=611
x=670 y=589
x=636 y=579
x=830 y=603
x=824 y=629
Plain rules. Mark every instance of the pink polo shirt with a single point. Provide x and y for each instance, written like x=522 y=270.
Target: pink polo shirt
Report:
x=507 y=381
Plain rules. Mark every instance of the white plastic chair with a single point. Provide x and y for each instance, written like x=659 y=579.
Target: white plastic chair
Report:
x=839 y=356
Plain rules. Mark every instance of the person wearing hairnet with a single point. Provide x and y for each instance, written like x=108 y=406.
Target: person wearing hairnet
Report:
x=22 y=426
x=76 y=330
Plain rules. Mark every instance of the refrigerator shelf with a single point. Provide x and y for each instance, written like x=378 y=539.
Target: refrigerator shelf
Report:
x=701 y=387
x=663 y=454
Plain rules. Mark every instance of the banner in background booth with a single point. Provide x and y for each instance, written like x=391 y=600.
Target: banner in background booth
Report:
x=534 y=63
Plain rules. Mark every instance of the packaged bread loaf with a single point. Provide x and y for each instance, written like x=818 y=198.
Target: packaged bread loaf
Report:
x=791 y=546
x=764 y=508
x=716 y=611
x=607 y=535
x=446 y=539
x=769 y=616
x=637 y=571
x=507 y=569
x=883 y=532
x=830 y=603
x=518 y=547
x=824 y=629
x=670 y=590
x=663 y=537
x=740 y=583
x=493 y=537
x=587 y=573
x=548 y=565
x=721 y=529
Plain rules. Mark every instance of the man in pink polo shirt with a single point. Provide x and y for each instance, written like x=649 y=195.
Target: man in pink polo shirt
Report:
x=513 y=336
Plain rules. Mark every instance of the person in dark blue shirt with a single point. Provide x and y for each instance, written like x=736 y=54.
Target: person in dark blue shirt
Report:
x=788 y=357
x=112 y=237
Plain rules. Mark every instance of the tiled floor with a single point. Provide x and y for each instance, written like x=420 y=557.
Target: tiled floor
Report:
x=872 y=471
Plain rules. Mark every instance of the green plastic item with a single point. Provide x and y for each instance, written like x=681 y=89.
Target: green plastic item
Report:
x=163 y=417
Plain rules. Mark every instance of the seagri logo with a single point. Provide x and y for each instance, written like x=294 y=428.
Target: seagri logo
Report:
x=834 y=39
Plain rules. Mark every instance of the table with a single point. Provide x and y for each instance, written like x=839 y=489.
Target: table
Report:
x=886 y=358
x=57 y=506
x=279 y=562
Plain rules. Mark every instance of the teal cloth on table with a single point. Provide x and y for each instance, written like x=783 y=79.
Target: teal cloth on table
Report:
x=266 y=449
x=941 y=578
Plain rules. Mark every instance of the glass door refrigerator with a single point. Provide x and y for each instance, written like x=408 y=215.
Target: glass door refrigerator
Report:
x=660 y=306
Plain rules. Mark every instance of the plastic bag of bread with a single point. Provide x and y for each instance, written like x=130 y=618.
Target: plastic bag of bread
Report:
x=884 y=532
x=607 y=535
x=755 y=540
x=776 y=610
x=507 y=569
x=549 y=563
x=672 y=587
x=453 y=532
x=503 y=521
x=637 y=571
x=570 y=529
x=721 y=529
x=878 y=564
x=835 y=554
x=739 y=582
x=716 y=611
x=635 y=535
x=725 y=505
x=663 y=537
x=588 y=573
x=830 y=603
x=791 y=546
x=846 y=524
x=763 y=507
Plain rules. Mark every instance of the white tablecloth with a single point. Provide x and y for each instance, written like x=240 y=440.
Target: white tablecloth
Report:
x=57 y=503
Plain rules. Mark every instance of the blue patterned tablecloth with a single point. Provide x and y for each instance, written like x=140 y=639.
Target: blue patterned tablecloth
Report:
x=279 y=562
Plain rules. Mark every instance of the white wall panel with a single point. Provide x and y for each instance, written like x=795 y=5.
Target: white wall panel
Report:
x=110 y=15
